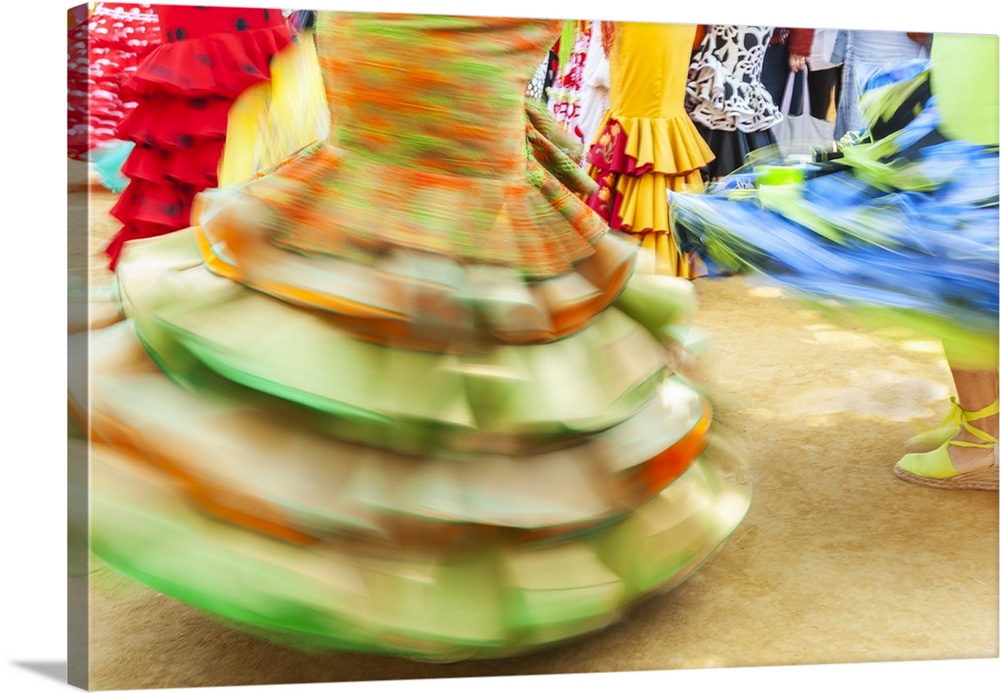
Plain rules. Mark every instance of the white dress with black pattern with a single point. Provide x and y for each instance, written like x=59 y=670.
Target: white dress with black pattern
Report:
x=726 y=99
x=724 y=89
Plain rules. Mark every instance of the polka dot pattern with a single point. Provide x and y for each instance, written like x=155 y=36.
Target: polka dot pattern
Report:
x=208 y=57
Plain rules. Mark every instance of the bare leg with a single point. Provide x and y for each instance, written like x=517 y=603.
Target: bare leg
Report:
x=976 y=390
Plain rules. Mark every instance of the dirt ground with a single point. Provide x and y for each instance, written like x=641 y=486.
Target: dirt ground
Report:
x=837 y=561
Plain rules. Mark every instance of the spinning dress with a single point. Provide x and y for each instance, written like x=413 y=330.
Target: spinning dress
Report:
x=183 y=90
x=403 y=393
x=898 y=233
x=646 y=143
x=726 y=99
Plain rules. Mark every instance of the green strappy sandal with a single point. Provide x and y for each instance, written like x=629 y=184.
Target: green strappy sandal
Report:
x=926 y=441
x=935 y=468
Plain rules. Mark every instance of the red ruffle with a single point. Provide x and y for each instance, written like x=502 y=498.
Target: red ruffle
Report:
x=196 y=165
x=148 y=203
x=163 y=186
x=608 y=162
x=606 y=201
x=149 y=209
x=172 y=121
x=220 y=65
x=631 y=194
x=612 y=156
x=184 y=91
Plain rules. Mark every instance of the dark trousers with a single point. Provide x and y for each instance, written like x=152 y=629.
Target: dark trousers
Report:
x=774 y=76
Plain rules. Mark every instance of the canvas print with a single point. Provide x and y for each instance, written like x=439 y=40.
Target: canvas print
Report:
x=414 y=346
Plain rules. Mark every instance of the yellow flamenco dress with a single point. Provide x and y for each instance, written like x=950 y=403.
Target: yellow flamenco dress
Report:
x=403 y=392
x=647 y=144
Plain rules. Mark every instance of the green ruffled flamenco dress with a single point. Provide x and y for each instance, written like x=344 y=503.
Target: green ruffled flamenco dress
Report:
x=405 y=393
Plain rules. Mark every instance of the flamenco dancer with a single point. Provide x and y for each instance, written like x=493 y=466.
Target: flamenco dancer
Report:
x=647 y=143
x=901 y=231
x=183 y=90
x=404 y=393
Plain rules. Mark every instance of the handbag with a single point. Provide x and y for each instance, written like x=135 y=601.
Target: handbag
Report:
x=803 y=134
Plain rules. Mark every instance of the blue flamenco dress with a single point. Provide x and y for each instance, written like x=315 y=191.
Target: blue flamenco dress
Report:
x=900 y=228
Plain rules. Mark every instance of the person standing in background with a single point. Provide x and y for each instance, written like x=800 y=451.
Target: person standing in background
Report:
x=647 y=143
x=786 y=54
x=824 y=78
x=595 y=91
x=730 y=106
x=864 y=51
x=564 y=94
x=964 y=82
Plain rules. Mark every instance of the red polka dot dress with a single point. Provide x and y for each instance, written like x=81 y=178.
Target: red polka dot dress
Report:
x=183 y=90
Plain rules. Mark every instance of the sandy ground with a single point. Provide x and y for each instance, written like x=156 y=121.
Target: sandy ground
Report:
x=837 y=561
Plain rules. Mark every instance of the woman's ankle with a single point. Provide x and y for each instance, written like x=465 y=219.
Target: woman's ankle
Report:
x=966 y=459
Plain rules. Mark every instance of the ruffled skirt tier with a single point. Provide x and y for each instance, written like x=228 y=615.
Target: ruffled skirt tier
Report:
x=183 y=92
x=634 y=162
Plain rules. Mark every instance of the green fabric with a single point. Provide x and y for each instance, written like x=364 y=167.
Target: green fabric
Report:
x=964 y=78
x=566 y=41
x=476 y=601
x=259 y=518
